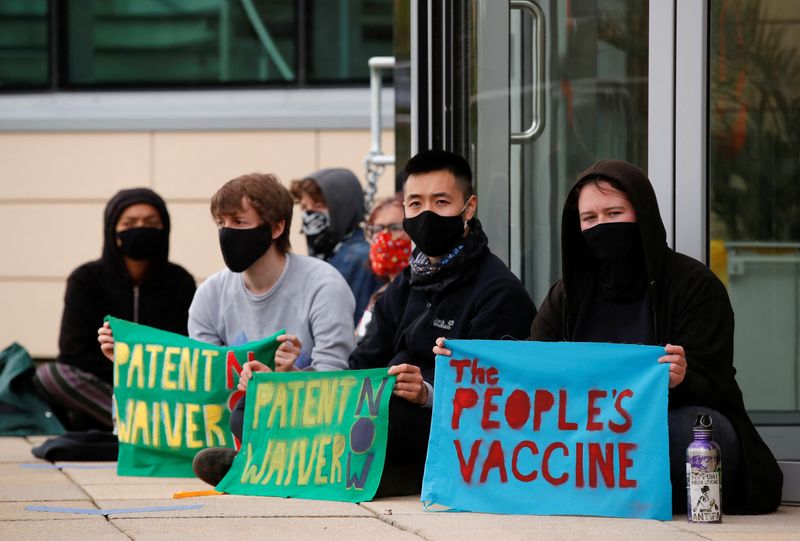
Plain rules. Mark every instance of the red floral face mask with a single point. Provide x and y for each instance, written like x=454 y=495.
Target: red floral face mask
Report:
x=388 y=255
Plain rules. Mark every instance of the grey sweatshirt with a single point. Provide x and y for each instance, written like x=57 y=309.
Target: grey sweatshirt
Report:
x=310 y=300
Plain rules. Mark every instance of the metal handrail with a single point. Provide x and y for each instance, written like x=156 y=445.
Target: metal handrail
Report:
x=376 y=161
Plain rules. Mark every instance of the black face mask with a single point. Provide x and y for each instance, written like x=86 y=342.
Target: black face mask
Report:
x=242 y=247
x=316 y=228
x=141 y=243
x=617 y=248
x=433 y=233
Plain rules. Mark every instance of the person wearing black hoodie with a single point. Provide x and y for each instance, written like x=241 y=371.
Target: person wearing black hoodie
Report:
x=622 y=283
x=332 y=203
x=132 y=280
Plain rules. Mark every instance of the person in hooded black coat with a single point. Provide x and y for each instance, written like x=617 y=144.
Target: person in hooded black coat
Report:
x=332 y=203
x=622 y=283
x=132 y=280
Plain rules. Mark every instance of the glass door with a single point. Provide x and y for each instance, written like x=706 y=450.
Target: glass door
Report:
x=572 y=80
x=754 y=206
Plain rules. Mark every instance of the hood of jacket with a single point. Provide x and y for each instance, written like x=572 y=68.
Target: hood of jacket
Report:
x=344 y=197
x=577 y=262
x=114 y=209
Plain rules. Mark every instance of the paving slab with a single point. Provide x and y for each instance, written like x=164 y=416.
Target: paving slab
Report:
x=15 y=450
x=401 y=505
x=18 y=511
x=745 y=536
x=28 y=484
x=283 y=529
x=105 y=473
x=458 y=526
x=226 y=506
x=98 y=529
x=122 y=490
x=785 y=519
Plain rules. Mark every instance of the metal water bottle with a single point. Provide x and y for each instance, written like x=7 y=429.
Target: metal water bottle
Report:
x=703 y=474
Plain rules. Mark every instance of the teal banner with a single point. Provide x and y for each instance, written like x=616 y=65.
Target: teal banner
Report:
x=174 y=395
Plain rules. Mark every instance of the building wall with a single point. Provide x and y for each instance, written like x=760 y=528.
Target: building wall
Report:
x=54 y=186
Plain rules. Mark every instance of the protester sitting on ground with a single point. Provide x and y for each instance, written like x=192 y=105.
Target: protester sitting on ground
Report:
x=389 y=250
x=454 y=284
x=332 y=202
x=622 y=283
x=132 y=280
x=265 y=287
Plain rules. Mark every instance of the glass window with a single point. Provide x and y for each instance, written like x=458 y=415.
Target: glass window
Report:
x=180 y=42
x=116 y=44
x=344 y=34
x=754 y=190
x=24 y=44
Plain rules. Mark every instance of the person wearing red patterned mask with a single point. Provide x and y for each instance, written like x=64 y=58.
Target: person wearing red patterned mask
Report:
x=389 y=249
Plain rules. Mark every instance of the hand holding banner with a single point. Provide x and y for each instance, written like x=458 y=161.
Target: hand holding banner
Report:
x=550 y=428
x=317 y=435
x=174 y=396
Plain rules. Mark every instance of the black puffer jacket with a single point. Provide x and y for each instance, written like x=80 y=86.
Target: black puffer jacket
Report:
x=104 y=287
x=480 y=299
x=690 y=307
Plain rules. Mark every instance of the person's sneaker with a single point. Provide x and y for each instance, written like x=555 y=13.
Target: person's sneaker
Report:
x=211 y=465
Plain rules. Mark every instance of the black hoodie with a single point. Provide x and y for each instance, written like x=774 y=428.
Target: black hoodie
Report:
x=103 y=287
x=690 y=308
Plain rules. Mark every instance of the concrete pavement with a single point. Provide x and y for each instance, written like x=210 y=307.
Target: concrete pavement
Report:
x=95 y=488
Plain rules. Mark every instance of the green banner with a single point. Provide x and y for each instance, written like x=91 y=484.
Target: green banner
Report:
x=174 y=396
x=316 y=435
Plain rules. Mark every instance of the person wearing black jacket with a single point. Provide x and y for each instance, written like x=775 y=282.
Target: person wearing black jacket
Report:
x=132 y=280
x=622 y=283
x=454 y=286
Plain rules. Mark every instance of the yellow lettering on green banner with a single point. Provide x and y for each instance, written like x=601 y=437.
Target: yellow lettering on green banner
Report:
x=311 y=402
x=140 y=418
x=122 y=353
x=156 y=416
x=136 y=368
x=279 y=406
x=295 y=387
x=264 y=394
x=305 y=462
x=346 y=384
x=187 y=374
x=124 y=422
x=191 y=426
x=327 y=401
x=172 y=428
x=212 y=415
x=319 y=478
x=339 y=444
x=154 y=350
x=277 y=463
x=169 y=367
x=209 y=355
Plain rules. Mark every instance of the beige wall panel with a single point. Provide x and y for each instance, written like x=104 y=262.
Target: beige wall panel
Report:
x=195 y=165
x=348 y=148
x=72 y=165
x=31 y=315
x=194 y=242
x=49 y=240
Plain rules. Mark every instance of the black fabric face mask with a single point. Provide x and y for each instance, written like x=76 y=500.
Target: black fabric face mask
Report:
x=141 y=243
x=242 y=247
x=617 y=248
x=433 y=233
